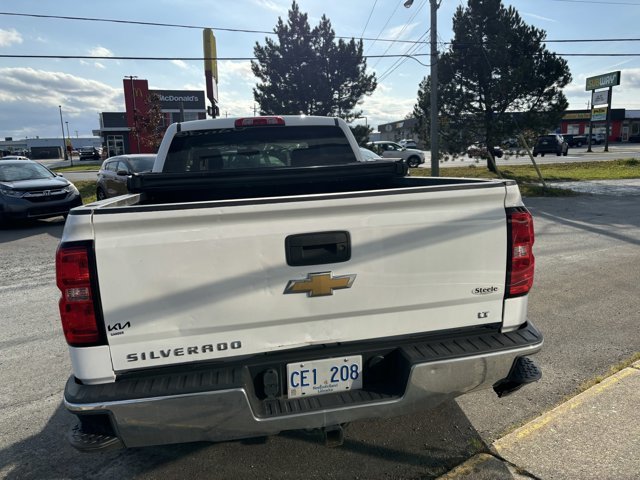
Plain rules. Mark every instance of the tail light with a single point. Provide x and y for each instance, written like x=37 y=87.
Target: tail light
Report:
x=77 y=308
x=521 y=262
x=259 y=122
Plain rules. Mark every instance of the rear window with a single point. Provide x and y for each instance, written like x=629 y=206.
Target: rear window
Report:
x=142 y=164
x=257 y=147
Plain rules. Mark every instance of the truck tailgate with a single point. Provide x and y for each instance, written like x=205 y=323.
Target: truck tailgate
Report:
x=192 y=282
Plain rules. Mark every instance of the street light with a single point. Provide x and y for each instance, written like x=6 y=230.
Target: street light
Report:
x=435 y=165
x=64 y=146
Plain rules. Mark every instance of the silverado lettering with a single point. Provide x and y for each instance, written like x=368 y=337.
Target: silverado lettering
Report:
x=236 y=209
x=181 y=351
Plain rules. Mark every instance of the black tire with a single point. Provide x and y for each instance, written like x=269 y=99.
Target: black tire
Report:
x=542 y=154
x=535 y=154
x=559 y=153
x=413 y=162
x=564 y=154
x=100 y=195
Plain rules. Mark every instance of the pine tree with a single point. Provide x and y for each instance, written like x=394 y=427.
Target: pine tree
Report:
x=307 y=71
x=496 y=79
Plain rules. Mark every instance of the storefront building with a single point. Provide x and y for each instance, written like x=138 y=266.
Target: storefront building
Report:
x=624 y=124
x=120 y=131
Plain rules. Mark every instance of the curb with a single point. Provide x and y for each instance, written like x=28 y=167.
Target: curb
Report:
x=485 y=465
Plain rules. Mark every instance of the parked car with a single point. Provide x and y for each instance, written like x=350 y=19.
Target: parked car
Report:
x=369 y=155
x=113 y=174
x=31 y=190
x=389 y=149
x=574 y=140
x=91 y=153
x=634 y=139
x=480 y=150
x=408 y=143
x=596 y=138
x=14 y=157
x=553 y=143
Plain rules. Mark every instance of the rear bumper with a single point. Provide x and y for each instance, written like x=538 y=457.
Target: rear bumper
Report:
x=222 y=404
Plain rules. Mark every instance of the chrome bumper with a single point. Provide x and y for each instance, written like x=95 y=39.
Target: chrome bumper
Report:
x=229 y=414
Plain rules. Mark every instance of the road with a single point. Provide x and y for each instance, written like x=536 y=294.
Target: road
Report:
x=584 y=300
x=575 y=155
x=616 y=151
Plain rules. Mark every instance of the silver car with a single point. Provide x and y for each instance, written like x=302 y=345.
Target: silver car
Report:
x=114 y=172
x=31 y=190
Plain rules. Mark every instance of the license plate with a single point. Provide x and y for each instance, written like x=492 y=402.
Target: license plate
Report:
x=305 y=379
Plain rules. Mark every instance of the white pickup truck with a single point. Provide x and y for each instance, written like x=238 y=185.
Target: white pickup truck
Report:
x=264 y=278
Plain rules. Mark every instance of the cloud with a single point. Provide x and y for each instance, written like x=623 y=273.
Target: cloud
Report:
x=273 y=6
x=401 y=31
x=9 y=37
x=29 y=100
x=381 y=107
x=100 y=52
x=180 y=64
x=236 y=73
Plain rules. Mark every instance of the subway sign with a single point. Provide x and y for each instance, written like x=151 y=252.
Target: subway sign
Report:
x=603 y=81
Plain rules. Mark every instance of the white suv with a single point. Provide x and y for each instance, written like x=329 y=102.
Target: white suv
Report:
x=388 y=149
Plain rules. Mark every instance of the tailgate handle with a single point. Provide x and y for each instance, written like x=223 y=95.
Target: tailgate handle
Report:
x=317 y=248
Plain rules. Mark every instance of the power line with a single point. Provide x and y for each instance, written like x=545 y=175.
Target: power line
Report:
x=174 y=25
x=266 y=32
x=91 y=57
x=399 y=62
x=415 y=13
x=384 y=26
x=368 y=18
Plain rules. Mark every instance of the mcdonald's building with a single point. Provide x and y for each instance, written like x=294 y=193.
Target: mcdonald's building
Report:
x=121 y=132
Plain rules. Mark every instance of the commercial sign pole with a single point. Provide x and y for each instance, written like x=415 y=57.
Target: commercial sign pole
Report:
x=607 y=80
x=211 y=70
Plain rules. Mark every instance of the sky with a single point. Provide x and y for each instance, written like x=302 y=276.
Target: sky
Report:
x=31 y=89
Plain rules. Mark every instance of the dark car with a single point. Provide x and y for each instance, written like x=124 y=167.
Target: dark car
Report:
x=480 y=150
x=30 y=190
x=550 y=144
x=114 y=172
x=575 y=140
x=89 y=153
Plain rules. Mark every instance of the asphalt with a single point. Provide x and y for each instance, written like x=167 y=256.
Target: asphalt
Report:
x=594 y=435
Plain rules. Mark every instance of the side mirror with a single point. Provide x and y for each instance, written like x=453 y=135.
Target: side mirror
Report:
x=122 y=173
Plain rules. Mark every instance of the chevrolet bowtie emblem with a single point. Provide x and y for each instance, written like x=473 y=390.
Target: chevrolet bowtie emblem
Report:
x=319 y=284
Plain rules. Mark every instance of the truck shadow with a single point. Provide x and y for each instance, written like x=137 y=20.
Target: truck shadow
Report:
x=423 y=445
x=614 y=217
x=16 y=230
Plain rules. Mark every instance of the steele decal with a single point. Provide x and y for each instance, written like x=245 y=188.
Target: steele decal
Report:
x=182 y=351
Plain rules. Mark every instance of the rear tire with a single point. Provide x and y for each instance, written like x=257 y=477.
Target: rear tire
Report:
x=100 y=195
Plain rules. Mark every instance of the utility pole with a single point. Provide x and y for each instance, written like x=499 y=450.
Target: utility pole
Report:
x=64 y=145
x=435 y=164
